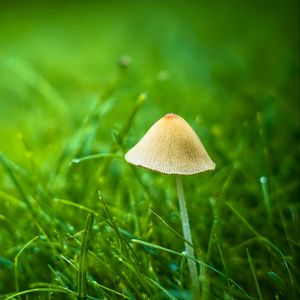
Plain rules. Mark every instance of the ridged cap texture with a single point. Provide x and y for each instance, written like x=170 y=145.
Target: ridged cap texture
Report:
x=171 y=146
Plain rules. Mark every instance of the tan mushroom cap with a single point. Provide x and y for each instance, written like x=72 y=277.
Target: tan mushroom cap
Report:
x=171 y=146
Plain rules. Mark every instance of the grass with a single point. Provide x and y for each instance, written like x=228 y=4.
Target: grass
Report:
x=77 y=221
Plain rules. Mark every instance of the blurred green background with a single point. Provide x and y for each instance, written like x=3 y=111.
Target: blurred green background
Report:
x=71 y=79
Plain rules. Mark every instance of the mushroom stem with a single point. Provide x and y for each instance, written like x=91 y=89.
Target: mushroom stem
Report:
x=188 y=237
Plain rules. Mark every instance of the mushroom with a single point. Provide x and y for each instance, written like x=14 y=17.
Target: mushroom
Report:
x=171 y=146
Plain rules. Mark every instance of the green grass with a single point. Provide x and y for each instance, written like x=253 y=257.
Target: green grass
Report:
x=76 y=220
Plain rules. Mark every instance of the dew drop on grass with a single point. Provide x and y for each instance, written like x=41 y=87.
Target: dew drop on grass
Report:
x=263 y=180
x=107 y=229
x=42 y=237
x=70 y=228
x=96 y=227
x=36 y=250
x=76 y=161
x=174 y=267
x=174 y=216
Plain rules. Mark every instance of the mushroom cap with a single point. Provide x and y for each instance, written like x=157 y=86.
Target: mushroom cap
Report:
x=171 y=146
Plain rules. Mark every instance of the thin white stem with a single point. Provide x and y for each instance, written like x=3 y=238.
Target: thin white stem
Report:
x=188 y=237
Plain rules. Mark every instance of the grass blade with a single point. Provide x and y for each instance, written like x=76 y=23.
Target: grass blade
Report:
x=266 y=197
x=79 y=206
x=39 y=290
x=169 y=227
x=166 y=292
x=16 y=261
x=8 y=169
x=265 y=240
x=158 y=247
x=254 y=275
x=96 y=156
x=82 y=276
